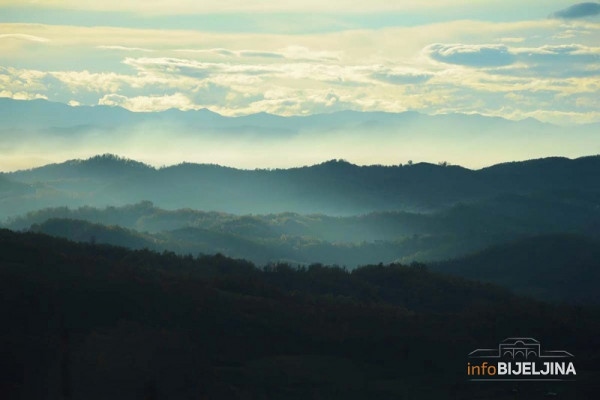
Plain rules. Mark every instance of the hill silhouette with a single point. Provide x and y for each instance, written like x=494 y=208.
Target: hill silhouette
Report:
x=36 y=129
x=352 y=240
x=95 y=321
x=553 y=268
x=334 y=187
x=559 y=267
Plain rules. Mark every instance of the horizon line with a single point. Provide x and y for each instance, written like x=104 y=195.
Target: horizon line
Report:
x=442 y=164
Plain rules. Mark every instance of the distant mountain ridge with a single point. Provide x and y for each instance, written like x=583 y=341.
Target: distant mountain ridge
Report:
x=33 y=129
x=334 y=187
x=53 y=114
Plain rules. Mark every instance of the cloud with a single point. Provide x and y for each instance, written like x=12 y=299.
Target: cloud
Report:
x=124 y=48
x=294 y=102
x=568 y=60
x=148 y=103
x=306 y=54
x=564 y=60
x=168 y=66
x=580 y=10
x=475 y=55
x=299 y=53
x=291 y=72
x=367 y=70
x=402 y=76
x=259 y=54
x=512 y=39
x=23 y=36
x=22 y=95
x=239 y=6
x=246 y=73
x=219 y=52
x=359 y=46
x=233 y=53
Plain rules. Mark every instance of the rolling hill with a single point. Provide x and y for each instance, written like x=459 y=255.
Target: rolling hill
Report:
x=350 y=240
x=334 y=187
x=551 y=267
x=85 y=315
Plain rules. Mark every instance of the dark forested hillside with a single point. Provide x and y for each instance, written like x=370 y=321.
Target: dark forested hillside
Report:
x=559 y=268
x=334 y=187
x=555 y=267
x=92 y=321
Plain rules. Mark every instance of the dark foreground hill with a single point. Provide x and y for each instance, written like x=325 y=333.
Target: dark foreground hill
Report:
x=335 y=187
x=86 y=321
x=556 y=267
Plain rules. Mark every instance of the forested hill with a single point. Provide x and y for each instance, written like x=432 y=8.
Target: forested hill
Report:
x=94 y=321
x=350 y=240
x=335 y=187
x=551 y=267
x=558 y=267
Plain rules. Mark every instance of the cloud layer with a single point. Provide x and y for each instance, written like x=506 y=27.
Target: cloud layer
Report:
x=580 y=10
x=547 y=69
x=264 y=6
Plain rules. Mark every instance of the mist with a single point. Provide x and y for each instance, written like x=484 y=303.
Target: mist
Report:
x=268 y=141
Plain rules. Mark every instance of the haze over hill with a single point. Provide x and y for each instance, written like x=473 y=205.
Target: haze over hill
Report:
x=39 y=132
x=384 y=236
x=299 y=199
x=334 y=187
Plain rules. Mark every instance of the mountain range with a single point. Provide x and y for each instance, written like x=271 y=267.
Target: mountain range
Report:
x=38 y=132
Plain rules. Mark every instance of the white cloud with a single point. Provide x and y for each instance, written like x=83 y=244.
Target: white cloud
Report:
x=23 y=36
x=124 y=48
x=512 y=39
x=562 y=49
x=402 y=76
x=266 y=6
x=22 y=95
x=286 y=74
x=476 y=55
x=300 y=53
x=148 y=103
x=306 y=54
x=218 y=52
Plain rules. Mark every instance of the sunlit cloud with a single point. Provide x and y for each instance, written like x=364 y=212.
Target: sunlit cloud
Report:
x=268 y=6
x=457 y=66
x=124 y=48
x=299 y=53
x=148 y=103
x=23 y=36
x=479 y=55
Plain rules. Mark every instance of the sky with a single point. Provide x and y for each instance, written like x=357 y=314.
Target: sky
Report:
x=506 y=58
